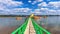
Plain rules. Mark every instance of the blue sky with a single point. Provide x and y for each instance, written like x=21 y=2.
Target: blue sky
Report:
x=27 y=7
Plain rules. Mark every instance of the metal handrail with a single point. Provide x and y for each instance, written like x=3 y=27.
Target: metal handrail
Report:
x=21 y=29
x=39 y=29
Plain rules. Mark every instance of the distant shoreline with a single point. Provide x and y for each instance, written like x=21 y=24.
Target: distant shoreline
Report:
x=24 y=15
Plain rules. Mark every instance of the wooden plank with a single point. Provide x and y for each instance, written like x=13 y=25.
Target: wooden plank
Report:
x=29 y=28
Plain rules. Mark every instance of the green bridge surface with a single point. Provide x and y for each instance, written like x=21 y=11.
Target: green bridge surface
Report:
x=38 y=29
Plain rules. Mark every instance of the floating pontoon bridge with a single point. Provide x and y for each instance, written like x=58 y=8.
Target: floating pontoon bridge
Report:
x=30 y=27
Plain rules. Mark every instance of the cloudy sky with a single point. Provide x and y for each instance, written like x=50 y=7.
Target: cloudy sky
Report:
x=26 y=7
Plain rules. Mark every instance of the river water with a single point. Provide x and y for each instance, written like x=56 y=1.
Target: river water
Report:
x=50 y=23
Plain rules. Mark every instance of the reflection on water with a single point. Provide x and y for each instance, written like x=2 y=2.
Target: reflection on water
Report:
x=9 y=24
x=51 y=23
x=10 y=21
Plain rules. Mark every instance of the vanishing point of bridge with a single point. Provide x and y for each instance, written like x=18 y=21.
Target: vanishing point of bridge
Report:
x=30 y=27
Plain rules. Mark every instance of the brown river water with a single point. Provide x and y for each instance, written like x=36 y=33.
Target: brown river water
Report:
x=9 y=24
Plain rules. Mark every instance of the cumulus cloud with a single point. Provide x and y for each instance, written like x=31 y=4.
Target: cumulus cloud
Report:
x=10 y=2
x=39 y=0
x=52 y=8
x=16 y=11
x=21 y=10
x=46 y=11
x=52 y=11
x=29 y=1
x=40 y=11
x=37 y=11
x=43 y=4
x=54 y=5
x=6 y=4
x=36 y=1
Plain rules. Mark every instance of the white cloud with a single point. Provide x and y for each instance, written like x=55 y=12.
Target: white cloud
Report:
x=58 y=12
x=39 y=0
x=18 y=11
x=55 y=8
x=29 y=1
x=40 y=11
x=54 y=4
x=6 y=4
x=44 y=9
x=10 y=2
x=36 y=12
x=39 y=5
x=42 y=4
x=36 y=1
x=52 y=11
x=2 y=7
x=26 y=9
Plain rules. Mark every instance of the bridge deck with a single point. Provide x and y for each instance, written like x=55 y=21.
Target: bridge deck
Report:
x=29 y=28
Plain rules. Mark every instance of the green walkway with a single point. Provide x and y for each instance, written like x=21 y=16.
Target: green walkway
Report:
x=38 y=29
